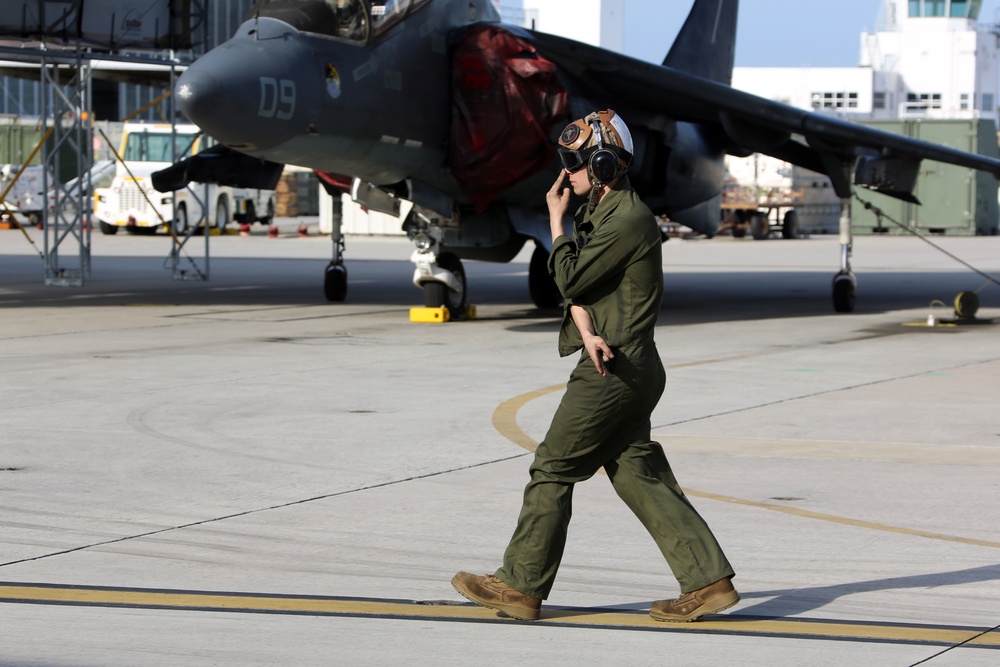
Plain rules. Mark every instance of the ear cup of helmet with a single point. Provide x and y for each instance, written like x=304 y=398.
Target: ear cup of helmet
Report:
x=604 y=166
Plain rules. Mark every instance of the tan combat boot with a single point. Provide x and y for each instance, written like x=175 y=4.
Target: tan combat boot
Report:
x=489 y=591
x=708 y=600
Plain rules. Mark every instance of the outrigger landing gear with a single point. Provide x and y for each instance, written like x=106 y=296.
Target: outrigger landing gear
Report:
x=845 y=286
x=438 y=273
x=335 y=279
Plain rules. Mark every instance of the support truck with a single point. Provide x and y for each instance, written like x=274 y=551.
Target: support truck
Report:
x=132 y=202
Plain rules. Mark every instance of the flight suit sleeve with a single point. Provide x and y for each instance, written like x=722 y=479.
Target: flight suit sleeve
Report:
x=570 y=339
x=607 y=253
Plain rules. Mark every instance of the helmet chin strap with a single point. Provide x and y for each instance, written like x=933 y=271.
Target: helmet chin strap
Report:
x=595 y=195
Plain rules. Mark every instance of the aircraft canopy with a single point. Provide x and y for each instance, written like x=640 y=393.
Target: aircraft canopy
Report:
x=352 y=20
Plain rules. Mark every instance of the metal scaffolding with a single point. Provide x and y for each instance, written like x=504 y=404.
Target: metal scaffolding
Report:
x=67 y=109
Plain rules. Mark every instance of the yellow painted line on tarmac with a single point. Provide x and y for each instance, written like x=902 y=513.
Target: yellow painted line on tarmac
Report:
x=819 y=516
x=94 y=596
x=505 y=416
x=505 y=422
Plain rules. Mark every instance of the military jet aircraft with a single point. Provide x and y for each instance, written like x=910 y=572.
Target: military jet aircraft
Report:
x=435 y=110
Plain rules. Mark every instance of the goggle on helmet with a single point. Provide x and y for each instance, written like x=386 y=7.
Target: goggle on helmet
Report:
x=601 y=141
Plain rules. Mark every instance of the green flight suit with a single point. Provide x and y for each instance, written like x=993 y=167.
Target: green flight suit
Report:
x=614 y=269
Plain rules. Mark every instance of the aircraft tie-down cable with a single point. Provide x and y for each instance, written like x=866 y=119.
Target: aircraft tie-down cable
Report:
x=880 y=214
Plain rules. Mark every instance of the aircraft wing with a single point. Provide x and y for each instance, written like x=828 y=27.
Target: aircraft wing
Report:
x=753 y=124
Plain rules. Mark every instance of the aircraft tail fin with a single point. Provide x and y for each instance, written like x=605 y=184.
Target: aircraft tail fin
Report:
x=706 y=44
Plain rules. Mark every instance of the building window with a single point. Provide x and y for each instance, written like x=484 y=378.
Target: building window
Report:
x=963 y=103
x=933 y=8
x=959 y=9
x=916 y=101
x=839 y=100
x=878 y=100
x=988 y=102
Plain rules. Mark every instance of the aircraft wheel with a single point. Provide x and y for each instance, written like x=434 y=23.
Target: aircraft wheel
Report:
x=759 y=227
x=335 y=282
x=541 y=286
x=108 y=229
x=437 y=294
x=844 y=291
x=790 y=225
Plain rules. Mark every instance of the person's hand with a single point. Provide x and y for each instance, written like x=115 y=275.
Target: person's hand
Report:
x=599 y=353
x=557 y=199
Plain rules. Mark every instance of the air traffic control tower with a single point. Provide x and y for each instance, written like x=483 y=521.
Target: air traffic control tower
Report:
x=944 y=61
x=928 y=70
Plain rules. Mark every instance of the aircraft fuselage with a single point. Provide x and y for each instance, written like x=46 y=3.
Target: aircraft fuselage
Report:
x=379 y=109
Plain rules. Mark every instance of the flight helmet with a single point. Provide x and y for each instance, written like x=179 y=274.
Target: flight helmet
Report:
x=602 y=142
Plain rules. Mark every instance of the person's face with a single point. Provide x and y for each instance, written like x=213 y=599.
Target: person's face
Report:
x=579 y=181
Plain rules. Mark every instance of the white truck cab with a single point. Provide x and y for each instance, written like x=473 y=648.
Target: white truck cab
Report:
x=132 y=202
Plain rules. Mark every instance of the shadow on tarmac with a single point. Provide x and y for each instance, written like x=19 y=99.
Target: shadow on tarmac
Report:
x=689 y=298
x=791 y=602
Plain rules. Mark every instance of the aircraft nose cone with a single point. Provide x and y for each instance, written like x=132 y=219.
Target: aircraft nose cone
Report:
x=195 y=94
x=254 y=92
x=209 y=103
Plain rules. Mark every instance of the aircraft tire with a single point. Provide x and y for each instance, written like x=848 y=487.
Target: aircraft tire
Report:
x=108 y=229
x=335 y=282
x=437 y=294
x=541 y=286
x=844 y=292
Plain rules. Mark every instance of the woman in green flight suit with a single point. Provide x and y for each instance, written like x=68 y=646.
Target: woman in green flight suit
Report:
x=611 y=277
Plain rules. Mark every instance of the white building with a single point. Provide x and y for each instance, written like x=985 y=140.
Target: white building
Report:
x=597 y=22
x=946 y=61
x=927 y=59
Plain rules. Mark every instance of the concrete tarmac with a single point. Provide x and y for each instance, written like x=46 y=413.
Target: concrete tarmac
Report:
x=236 y=472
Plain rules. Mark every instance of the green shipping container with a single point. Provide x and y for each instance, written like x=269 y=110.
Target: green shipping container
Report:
x=954 y=200
x=17 y=140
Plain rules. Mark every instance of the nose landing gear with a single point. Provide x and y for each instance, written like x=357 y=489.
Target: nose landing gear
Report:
x=438 y=273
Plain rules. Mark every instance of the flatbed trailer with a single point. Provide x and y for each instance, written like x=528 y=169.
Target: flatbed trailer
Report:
x=747 y=208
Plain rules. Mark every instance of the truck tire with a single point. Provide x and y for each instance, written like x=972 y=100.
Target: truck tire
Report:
x=108 y=229
x=222 y=212
x=180 y=223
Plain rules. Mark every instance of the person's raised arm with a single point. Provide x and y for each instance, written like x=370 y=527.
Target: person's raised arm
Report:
x=557 y=199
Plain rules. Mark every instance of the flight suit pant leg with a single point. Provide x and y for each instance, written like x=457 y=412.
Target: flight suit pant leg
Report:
x=579 y=441
x=642 y=477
